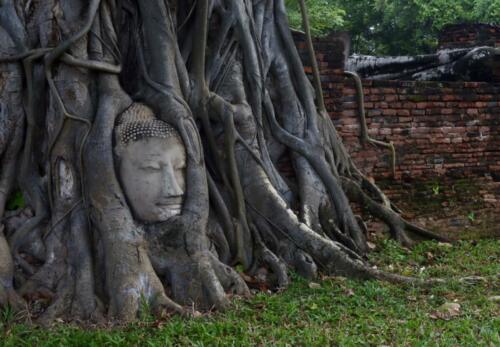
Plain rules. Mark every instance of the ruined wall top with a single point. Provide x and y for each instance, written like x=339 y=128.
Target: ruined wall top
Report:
x=469 y=35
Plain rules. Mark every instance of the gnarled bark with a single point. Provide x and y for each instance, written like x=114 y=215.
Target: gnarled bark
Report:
x=460 y=64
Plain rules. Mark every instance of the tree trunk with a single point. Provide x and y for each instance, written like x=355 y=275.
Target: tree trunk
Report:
x=226 y=76
x=461 y=64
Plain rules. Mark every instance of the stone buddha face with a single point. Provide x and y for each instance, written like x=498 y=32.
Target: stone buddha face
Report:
x=151 y=165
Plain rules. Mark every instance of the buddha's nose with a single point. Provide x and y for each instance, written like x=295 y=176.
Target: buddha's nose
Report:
x=170 y=186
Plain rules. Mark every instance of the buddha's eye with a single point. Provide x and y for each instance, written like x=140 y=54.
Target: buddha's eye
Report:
x=151 y=168
x=178 y=163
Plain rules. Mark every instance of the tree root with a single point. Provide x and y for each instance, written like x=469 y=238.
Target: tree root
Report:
x=199 y=280
x=86 y=256
x=8 y=295
x=264 y=257
x=10 y=298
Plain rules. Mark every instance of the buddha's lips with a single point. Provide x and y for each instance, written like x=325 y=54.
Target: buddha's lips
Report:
x=174 y=203
x=171 y=207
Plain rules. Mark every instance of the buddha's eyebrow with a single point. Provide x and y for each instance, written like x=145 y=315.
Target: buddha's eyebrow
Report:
x=152 y=156
x=147 y=161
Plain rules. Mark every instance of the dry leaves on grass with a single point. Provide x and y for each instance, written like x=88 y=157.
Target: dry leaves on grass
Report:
x=314 y=285
x=447 y=311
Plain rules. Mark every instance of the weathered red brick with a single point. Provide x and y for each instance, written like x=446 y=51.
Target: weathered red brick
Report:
x=449 y=97
x=390 y=112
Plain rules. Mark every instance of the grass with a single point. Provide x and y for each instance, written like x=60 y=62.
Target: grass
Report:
x=337 y=312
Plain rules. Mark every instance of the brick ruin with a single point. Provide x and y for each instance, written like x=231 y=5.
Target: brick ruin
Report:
x=469 y=35
x=447 y=129
x=439 y=129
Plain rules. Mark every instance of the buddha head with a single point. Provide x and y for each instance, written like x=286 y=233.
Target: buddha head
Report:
x=151 y=162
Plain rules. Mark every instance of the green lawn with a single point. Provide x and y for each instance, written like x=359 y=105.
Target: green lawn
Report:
x=336 y=312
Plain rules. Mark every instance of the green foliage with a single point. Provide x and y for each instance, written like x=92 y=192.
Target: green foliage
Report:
x=145 y=312
x=16 y=201
x=6 y=317
x=471 y=216
x=487 y=10
x=323 y=15
x=336 y=311
x=394 y=27
x=436 y=189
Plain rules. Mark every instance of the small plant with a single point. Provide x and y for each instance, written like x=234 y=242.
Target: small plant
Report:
x=16 y=201
x=6 y=316
x=436 y=189
x=471 y=217
x=145 y=312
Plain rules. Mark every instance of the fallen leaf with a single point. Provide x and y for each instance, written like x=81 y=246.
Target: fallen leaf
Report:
x=158 y=324
x=473 y=280
x=197 y=314
x=371 y=245
x=264 y=287
x=246 y=278
x=433 y=316
x=446 y=311
x=314 y=285
x=445 y=244
x=333 y=278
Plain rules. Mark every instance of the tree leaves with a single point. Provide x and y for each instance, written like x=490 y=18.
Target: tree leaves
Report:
x=391 y=27
x=324 y=15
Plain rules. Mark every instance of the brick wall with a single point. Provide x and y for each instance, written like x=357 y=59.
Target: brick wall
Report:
x=331 y=51
x=469 y=35
x=447 y=129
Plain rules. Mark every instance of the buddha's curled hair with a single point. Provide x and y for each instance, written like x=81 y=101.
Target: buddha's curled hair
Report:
x=139 y=122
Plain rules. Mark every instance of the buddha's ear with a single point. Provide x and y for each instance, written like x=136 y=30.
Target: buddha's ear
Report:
x=117 y=153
